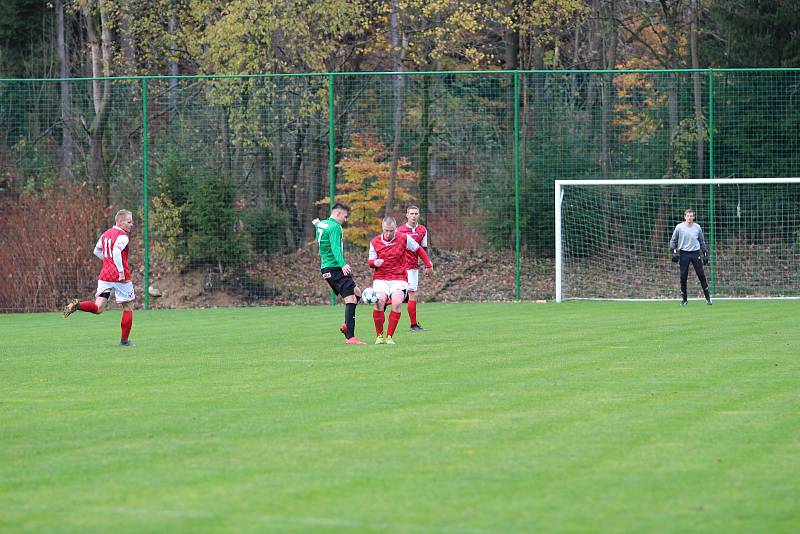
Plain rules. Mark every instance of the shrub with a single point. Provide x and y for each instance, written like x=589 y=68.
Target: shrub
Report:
x=196 y=219
x=166 y=233
x=46 y=242
x=210 y=222
x=267 y=229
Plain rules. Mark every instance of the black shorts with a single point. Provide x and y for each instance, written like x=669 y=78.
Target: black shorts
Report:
x=343 y=285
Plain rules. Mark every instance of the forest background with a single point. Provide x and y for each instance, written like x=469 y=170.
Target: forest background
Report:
x=239 y=165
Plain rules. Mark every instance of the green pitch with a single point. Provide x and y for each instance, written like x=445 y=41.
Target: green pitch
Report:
x=505 y=417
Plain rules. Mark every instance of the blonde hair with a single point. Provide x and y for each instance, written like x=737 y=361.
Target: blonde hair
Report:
x=121 y=214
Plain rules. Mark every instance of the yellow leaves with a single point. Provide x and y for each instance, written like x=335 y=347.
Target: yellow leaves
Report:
x=465 y=31
x=635 y=127
x=648 y=50
x=165 y=223
x=545 y=17
x=250 y=36
x=474 y=56
x=638 y=102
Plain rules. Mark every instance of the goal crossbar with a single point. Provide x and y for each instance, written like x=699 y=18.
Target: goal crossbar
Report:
x=678 y=181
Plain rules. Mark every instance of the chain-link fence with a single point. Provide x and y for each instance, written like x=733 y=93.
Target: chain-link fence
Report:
x=224 y=174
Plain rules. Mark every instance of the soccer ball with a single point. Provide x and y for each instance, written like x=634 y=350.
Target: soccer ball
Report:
x=369 y=296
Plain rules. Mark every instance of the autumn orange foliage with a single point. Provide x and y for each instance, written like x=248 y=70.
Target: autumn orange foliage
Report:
x=366 y=168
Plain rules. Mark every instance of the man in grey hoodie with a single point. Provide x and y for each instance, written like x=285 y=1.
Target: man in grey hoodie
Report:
x=686 y=246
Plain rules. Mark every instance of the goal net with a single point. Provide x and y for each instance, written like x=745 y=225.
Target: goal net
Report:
x=612 y=237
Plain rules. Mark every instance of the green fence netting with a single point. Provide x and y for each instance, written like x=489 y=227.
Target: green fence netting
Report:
x=224 y=174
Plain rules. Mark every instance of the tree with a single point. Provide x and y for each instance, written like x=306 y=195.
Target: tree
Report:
x=693 y=14
x=24 y=47
x=272 y=36
x=664 y=31
x=66 y=105
x=751 y=33
x=210 y=223
x=398 y=52
x=366 y=174
x=95 y=17
x=275 y=121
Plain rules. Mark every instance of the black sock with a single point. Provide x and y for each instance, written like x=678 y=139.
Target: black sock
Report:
x=350 y=319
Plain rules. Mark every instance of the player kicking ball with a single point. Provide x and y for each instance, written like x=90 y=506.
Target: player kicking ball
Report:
x=387 y=258
x=335 y=271
x=115 y=276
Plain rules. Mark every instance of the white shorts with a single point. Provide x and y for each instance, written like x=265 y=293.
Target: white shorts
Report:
x=389 y=286
x=123 y=291
x=413 y=279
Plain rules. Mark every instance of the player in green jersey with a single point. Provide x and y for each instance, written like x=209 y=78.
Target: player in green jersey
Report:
x=335 y=270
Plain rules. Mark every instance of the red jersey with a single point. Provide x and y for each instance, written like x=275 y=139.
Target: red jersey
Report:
x=114 y=239
x=419 y=234
x=393 y=253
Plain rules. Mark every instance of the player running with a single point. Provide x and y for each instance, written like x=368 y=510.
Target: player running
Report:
x=115 y=275
x=335 y=270
x=387 y=256
x=418 y=233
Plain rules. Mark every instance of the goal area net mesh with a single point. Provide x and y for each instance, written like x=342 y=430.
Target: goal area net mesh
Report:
x=612 y=237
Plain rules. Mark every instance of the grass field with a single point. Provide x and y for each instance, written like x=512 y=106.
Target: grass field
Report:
x=579 y=417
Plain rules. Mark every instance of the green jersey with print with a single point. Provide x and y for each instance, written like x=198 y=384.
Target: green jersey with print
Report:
x=331 y=246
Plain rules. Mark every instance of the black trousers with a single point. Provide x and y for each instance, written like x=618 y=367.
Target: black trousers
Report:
x=692 y=257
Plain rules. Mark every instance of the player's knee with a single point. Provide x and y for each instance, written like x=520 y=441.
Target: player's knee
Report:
x=397 y=300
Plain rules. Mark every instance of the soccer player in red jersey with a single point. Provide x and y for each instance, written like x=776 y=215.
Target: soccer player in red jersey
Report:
x=387 y=258
x=418 y=233
x=115 y=275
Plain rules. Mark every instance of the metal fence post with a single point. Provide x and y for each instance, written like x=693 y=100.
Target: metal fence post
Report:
x=146 y=196
x=711 y=245
x=516 y=187
x=331 y=152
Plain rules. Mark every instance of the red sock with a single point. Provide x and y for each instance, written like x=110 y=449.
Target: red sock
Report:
x=88 y=306
x=377 y=318
x=127 y=323
x=394 y=318
x=412 y=311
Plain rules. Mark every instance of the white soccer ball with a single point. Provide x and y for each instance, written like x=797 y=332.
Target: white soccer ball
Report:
x=369 y=296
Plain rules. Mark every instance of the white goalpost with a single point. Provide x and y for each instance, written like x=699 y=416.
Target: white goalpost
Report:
x=612 y=237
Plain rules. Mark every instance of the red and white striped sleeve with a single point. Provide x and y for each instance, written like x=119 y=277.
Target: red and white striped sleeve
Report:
x=413 y=246
x=373 y=255
x=98 y=248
